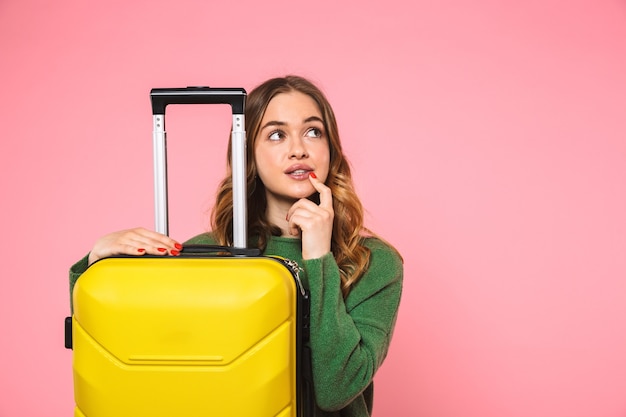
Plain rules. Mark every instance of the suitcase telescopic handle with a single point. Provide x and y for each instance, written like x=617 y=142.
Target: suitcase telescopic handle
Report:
x=236 y=98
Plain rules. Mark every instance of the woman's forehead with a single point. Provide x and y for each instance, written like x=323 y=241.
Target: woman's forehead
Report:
x=292 y=106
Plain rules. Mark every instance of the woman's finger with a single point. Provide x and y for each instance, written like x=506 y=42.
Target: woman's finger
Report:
x=138 y=241
x=326 y=196
x=148 y=238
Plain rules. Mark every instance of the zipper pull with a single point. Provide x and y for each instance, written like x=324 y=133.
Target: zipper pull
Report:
x=295 y=270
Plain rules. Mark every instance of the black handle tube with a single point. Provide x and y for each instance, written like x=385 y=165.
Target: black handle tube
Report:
x=206 y=250
x=161 y=97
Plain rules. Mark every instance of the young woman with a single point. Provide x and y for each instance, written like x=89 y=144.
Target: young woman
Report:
x=302 y=206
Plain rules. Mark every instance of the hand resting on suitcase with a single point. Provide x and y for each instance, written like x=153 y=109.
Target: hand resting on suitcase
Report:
x=137 y=241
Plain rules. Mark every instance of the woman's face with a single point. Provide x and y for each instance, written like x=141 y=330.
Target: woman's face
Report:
x=291 y=144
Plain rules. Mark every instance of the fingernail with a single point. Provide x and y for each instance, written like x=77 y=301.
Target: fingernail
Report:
x=312 y=174
x=178 y=246
x=141 y=250
x=161 y=249
x=174 y=252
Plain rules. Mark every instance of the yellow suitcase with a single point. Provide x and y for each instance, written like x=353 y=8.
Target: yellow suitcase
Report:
x=214 y=332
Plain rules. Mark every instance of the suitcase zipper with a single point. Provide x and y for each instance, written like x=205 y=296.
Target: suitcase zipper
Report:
x=295 y=270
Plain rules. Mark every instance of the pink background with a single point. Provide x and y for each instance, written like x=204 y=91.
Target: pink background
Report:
x=488 y=141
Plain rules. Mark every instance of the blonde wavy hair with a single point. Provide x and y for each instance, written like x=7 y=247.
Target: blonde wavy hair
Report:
x=351 y=255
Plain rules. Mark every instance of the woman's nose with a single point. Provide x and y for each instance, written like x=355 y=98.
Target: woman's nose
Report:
x=297 y=149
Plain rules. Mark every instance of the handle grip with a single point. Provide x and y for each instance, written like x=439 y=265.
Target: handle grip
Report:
x=161 y=97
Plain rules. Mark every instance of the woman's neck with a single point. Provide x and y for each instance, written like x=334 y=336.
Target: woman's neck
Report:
x=276 y=213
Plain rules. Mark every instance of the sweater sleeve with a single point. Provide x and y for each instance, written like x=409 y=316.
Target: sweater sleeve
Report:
x=349 y=339
x=76 y=271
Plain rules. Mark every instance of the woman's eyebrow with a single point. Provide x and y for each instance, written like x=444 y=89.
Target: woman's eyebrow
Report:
x=313 y=119
x=279 y=123
x=273 y=123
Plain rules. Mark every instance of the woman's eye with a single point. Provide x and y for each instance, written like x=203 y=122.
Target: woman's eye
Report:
x=314 y=133
x=277 y=135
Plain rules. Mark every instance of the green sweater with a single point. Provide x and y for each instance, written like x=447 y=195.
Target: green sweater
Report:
x=349 y=338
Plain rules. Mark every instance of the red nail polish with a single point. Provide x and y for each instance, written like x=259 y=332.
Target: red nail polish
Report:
x=161 y=249
x=142 y=250
x=174 y=252
x=178 y=246
x=312 y=174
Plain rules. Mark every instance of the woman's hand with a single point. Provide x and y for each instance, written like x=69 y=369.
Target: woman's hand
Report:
x=314 y=222
x=138 y=241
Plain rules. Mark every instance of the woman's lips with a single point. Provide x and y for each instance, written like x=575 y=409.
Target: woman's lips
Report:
x=298 y=172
